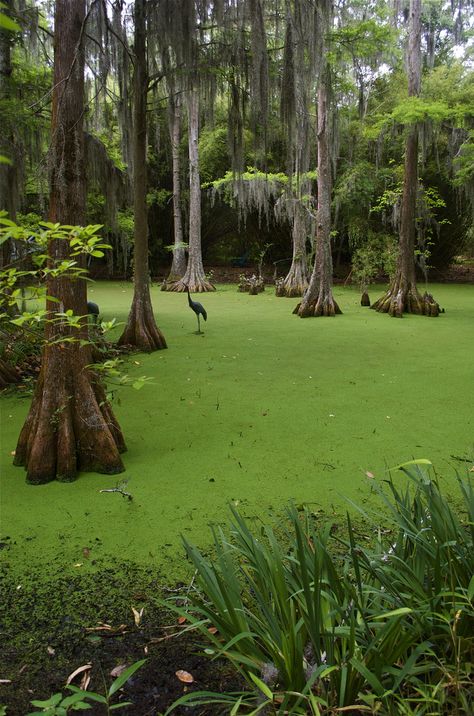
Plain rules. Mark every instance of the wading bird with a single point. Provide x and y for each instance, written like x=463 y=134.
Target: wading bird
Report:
x=198 y=309
x=93 y=310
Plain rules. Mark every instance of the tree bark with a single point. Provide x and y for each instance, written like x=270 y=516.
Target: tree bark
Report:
x=296 y=281
x=141 y=330
x=403 y=295
x=178 y=266
x=194 y=278
x=318 y=299
x=70 y=425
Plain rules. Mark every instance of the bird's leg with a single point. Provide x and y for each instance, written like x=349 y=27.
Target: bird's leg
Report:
x=199 y=323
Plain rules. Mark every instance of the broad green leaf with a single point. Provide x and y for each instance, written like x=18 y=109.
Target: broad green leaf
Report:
x=53 y=701
x=120 y=706
x=395 y=613
x=262 y=686
x=470 y=589
x=124 y=676
x=6 y=23
x=91 y=695
x=419 y=461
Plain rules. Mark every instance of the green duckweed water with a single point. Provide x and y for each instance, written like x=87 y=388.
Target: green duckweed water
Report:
x=262 y=409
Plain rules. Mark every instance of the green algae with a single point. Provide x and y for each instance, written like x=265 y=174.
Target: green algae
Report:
x=263 y=408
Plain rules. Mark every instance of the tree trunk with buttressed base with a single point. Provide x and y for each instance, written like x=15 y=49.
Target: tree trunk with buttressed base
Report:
x=296 y=281
x=318 y=299
x=70 y=425
x=403 y=295
x=141 y=330
x=194 y=278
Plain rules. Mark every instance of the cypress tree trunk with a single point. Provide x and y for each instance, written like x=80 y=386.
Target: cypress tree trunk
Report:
x=70 y=425
x=403 y=295
x=178 y=266
x=296 y=281
x=194 y=278
x=141 y=330
x=318 y=299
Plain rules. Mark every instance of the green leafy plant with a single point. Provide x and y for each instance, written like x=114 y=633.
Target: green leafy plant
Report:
x=80 y=699
x=378 y=255
x=311 y=630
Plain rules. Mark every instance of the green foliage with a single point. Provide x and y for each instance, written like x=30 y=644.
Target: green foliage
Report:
x=464 y=163
x=112 y=373
x=110 y=138
x=213 y=153
x=310 y=630
x=356 y=186
x=159 y=197
x=364 y=38
x=81 y=700
x=30 y=222
x=6 y=23
x=378 y=255
x=126 y=224
x=279 y=179
x=416 y=109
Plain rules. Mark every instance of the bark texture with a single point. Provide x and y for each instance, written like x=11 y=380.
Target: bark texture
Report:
x=178 y=266
x=194 y=278
x=141 y=330
x=70 y=425
x=296 y=281
x=318 y=299
x=403 y=295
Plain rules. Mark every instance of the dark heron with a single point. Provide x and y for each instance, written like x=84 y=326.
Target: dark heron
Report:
x=93 y=310
x=198 y=309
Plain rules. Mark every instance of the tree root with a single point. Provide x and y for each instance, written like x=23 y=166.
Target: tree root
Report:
x=141 y=330
x=69 y=428
x=201 y=286
x=365 y=299
x=295 y=283
x=397 y=301
x=290 y=289
x=321 y=306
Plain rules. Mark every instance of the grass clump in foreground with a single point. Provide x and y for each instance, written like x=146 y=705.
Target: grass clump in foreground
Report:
x=384 y=629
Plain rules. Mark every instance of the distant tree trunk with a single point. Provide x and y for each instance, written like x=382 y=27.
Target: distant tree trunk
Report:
x=403 y=295
x=122 y=61
x=296 y=281
x=8 y=172
x=178 y=266
x=318 y=299
x=8 y=374
x=194 y=278
x=141 y=330
x=70 y=425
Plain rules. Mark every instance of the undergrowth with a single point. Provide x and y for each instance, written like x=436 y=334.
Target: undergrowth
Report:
x=385 y=628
